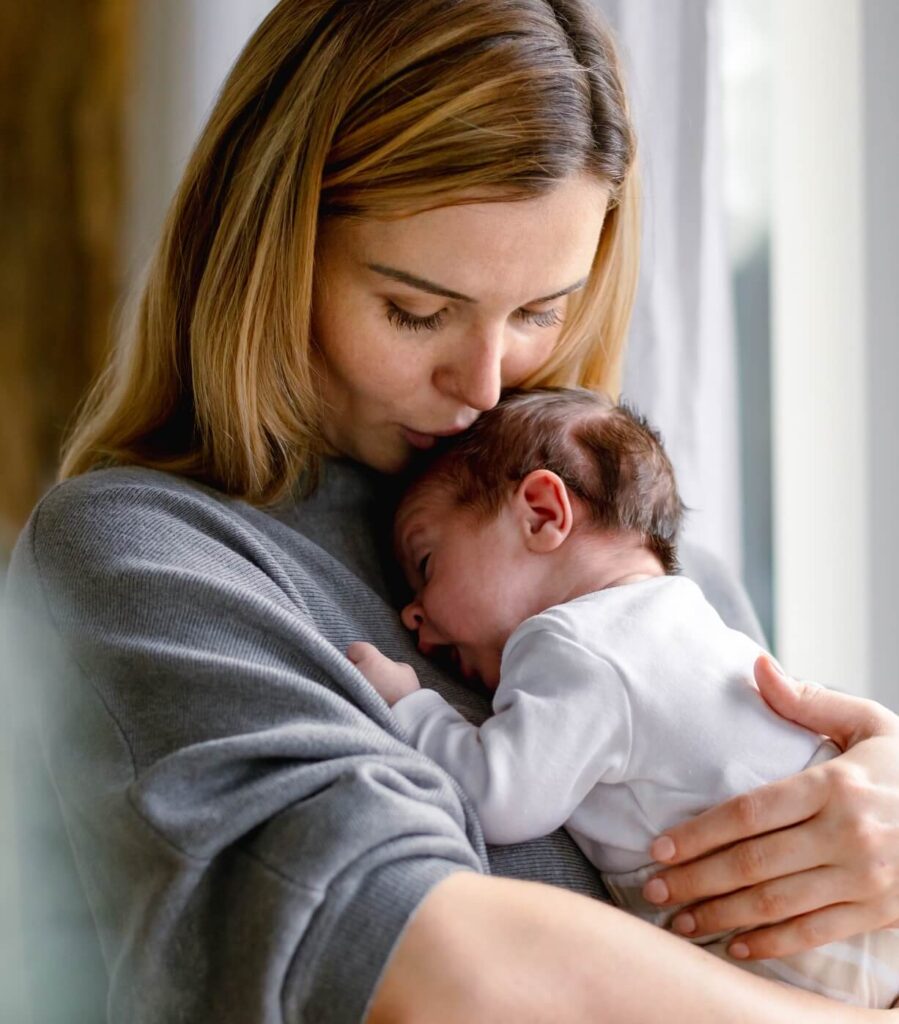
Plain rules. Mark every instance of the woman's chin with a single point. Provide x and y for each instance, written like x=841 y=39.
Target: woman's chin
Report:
x=393 y=461
x=386 y=455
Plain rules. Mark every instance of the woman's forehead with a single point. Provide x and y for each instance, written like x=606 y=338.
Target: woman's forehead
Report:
x=481 y=252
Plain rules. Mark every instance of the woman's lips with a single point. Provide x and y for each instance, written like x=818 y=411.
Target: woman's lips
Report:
x=425 y=441
x=422 y=441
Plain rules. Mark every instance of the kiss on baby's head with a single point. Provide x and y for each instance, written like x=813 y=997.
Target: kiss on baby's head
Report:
x=606 y=454
x=551 y=495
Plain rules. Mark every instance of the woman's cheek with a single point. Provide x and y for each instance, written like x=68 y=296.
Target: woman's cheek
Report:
x=527 y=358
x=403 y=370
x=378 y=356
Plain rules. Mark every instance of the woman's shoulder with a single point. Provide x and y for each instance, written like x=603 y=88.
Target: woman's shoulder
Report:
x=127 y=488
x=130 y=519
x=114 y=537
x=138 y=494
x=125 y=531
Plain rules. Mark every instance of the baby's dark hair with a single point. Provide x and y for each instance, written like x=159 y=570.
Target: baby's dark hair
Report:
x=606 y=454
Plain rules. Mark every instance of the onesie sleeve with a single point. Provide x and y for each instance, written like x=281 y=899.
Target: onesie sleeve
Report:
x=251 y=832
x=561 y=724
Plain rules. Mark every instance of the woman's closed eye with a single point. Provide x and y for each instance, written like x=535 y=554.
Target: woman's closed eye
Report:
x=403 y=320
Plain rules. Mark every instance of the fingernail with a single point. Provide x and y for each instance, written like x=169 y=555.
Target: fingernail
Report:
x=793 y=683
x=655 y=891
x=663 y=849
x=739 y=950
x=684 y=923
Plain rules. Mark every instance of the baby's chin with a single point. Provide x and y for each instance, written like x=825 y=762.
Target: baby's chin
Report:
x=483 y=671
x=488 y=675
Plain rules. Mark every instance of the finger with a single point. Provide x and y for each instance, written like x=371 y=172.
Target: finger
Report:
x=764 y=904
x=830 y=924
x=844 y=718
x=779 y=690
x=360 y=651
x=761 y=859
x=777 y=805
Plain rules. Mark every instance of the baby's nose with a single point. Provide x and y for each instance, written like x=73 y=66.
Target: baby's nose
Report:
x=412 y=616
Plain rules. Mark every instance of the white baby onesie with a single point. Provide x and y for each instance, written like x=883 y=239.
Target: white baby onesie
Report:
x=619 y=714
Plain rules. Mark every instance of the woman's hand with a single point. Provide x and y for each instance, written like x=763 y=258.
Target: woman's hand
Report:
x=817 y=852
x=392 y=679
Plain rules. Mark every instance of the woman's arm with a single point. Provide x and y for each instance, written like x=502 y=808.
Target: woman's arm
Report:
x=250 y=831
x=818 y=852
x=493 y=949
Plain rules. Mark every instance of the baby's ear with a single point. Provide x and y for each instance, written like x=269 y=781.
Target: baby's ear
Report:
x=543 y=509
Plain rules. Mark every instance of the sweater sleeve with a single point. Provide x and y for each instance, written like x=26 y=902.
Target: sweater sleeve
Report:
x=561 y=725
x=250 y=830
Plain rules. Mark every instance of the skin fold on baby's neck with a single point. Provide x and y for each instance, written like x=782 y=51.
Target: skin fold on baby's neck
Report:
x=588 y=562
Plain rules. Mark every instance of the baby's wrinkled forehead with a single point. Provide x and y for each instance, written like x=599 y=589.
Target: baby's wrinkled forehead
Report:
x=425 y=500
x=427 y=503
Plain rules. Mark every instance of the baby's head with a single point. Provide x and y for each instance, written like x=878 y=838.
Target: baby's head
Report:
x=553 y=493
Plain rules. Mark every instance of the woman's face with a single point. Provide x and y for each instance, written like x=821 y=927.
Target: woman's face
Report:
x=421 y=321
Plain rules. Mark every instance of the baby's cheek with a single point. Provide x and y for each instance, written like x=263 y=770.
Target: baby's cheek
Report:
x=446 y=612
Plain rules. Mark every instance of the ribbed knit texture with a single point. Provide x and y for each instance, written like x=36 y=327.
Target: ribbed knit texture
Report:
x=250 y=831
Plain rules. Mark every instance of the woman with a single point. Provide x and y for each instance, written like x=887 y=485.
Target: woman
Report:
x=395 y=210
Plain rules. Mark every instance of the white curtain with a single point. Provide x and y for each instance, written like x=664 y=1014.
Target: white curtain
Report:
x=681 y=364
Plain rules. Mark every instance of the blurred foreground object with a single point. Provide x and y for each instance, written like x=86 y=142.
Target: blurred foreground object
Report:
x=63 y=69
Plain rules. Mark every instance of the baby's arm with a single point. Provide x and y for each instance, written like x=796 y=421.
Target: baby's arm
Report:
x=392 y=679
x=561 y=725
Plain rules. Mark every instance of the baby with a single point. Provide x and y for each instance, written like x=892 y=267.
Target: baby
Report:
x=541 y=548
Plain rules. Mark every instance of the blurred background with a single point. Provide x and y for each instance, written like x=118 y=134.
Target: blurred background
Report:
x=764 y=341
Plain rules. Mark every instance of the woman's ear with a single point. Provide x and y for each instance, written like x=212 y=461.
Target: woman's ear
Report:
x=543 y=510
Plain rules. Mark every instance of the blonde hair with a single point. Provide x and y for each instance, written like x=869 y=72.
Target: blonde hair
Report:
x=376 y=109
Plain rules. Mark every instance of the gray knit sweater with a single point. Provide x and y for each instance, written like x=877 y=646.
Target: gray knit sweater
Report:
x=249 y=828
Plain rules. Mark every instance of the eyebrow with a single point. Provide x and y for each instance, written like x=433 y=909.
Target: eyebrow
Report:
x=404 y=549
x=405 y=543
x=436 y=289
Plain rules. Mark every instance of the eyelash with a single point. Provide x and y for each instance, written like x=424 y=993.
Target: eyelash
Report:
x=423 y=565
x=406 y=321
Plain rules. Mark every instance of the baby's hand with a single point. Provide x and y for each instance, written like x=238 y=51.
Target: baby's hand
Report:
x=392 y=679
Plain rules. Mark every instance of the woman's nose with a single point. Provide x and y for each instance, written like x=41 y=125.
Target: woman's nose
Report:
x=475 y=377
